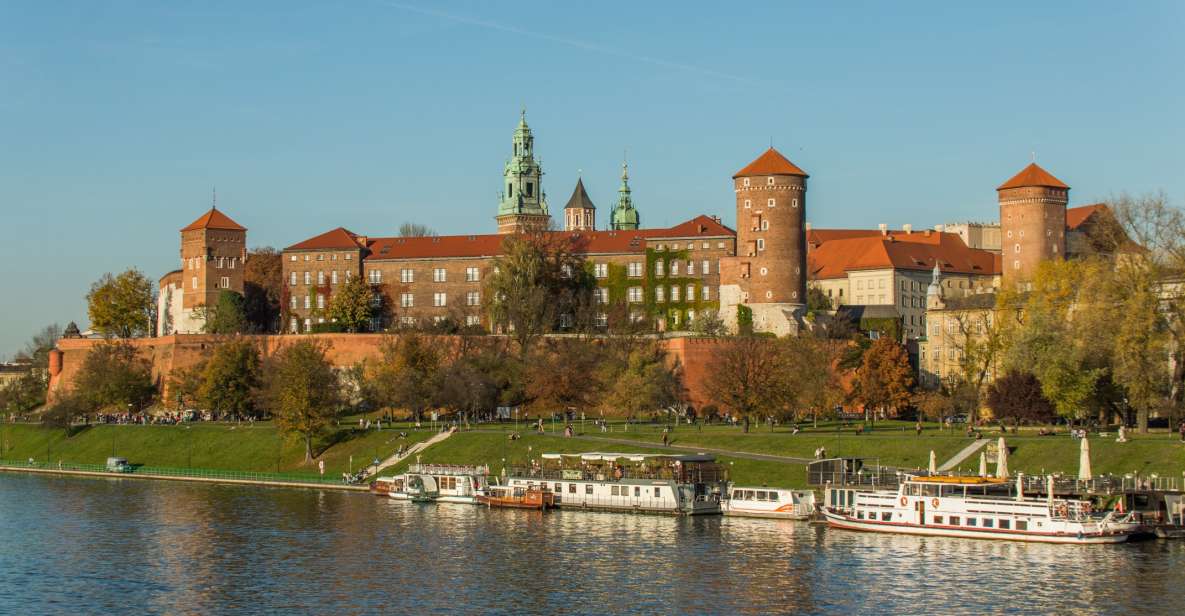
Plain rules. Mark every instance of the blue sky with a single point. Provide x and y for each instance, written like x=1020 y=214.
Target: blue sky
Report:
x=117 y=118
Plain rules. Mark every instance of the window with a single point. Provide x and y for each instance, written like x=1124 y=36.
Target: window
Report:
x=320 y=302
x=705 y=293
x=658 y=265
x=308 y=302
x=308 y=323
x=571 y=488
x=765 y=225
x=602 y=319
x=971 y=522
x=439 y=275
x=885 y=516
x=308 y=278
x=292 y=302
x=938 y=519
x=602 y=295
x=954 y=520
x=674 y=294
x=771 y=203
x=674 y=268
x=407 y=300
x=292 y=258
x=348 y=257
x=794 y=202
x=635 y=269
x=690 y=315
x=292 y=326
x=221 y=262
x=760 y=244
x=588 y=489
x=988 y=522
x=320 y=278
x=473 y=298
x=292 y=279
x=472 y=320
x=232 y=262
x=748 y=204
x=634 y=295
x=407 y=321
x=719 y=244
x=637 y=490
x=472 y=274
x=407 y=275
x=1022 y=525
x=1005 y=524
x=376 y=276
x=657 y=492
x=704 y=267
x=659 y=294
x=746 y=181
x=224 y=282
x=601 y=270
x=333 y=277
x=691 y=268
x=439 y=299
x=690 y=292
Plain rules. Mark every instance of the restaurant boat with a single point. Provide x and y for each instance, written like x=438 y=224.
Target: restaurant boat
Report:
x=517 y=497
x=642 y=483
x=769 y=503
x=973 y=507
x=440 y=483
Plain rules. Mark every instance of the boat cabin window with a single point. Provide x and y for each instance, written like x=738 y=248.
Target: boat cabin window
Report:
x=571 y=488
x=559 y=487
x=971 y=522
x=860 y=515
x=761 y=495
x=938 y=519
x=1022 y=525
x=988 y=522
x=657 y=492
x=886 y=516
x=773 y=496
x=1005 y=524
x=954 y=520
x=637 y=491
x=588 y=489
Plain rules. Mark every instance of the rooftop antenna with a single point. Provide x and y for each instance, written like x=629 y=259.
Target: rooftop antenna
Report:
x=771 y=142
x=579 y=174
x=1034 y=155
x=214 y=198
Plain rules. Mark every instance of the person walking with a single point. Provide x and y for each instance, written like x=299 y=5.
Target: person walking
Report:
x=918 y=428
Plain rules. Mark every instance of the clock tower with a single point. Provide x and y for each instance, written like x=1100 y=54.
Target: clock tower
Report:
x=522 y=204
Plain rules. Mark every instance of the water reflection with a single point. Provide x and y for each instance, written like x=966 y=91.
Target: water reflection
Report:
x=101 y=546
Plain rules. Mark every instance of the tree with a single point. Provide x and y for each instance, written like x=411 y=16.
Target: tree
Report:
x=884 y=376
x=933 y=405
x=814 y=363
x=121 y=305
x=1017 y=396
x=230 y=378
x=63 y=413
x=228 y=316
x=405 y=375
x=352 y=305
x=708 y=323
x=412 y=229
x=539 y=285
x=1141 y=351
x=113 y=374
x=23 y=394
x=747 y=376
x=644 y=382
x=263 y=289
x=301 y=391
x=465 y=386
x=559 y=375
x=817 y=300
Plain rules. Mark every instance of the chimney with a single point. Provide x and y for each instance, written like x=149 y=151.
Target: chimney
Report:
x=940 y=228
x=716 y=218
x=361 y=239
x=807 y=227
x=927 y=233
x=884 y=228
x=907 y=228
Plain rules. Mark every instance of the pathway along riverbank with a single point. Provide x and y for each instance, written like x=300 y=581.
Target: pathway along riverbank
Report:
x=190 y=475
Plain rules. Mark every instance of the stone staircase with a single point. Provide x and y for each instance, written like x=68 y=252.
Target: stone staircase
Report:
x=967 y=452
x=413 y=450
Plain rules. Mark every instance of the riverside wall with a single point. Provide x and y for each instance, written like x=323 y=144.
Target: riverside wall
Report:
x=169 y=354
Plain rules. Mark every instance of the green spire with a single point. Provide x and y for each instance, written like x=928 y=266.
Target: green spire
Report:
x=625 y=217
x=522 y=185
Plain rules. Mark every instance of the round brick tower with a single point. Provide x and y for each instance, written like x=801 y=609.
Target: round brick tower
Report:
x=770 y=269
x=1032 y=221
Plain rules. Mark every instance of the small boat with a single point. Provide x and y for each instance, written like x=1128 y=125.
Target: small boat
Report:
x=517 y=497
x=425 y=483
x=384 y=486
x=769 y=503
x=973 y=507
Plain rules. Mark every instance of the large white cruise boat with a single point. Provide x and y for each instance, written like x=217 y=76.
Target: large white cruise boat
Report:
x=438 y=483
x=974 y=507
x=673 y=484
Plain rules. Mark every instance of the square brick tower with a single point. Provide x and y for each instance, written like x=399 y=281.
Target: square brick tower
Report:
x=768 y=275
x=1032 y=221
x=213 y=256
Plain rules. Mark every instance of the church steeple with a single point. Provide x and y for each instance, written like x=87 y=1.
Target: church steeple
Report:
x=624 y=217
x=522 y=203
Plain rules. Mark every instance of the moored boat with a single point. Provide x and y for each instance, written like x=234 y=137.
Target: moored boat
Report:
x=442 y=483
x=972 y=507
x=769 y=503
x=517 y=497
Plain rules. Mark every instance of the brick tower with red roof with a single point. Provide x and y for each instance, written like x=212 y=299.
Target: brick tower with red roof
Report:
x=1032 y=221
x=213 y=259
x=769 y=273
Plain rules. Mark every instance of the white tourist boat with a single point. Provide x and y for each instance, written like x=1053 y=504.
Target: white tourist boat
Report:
x=973 y=507
x=769 y=503
x=440 y=483
x=672 y=484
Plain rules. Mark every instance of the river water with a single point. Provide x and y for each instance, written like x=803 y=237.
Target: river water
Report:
x=101 y=546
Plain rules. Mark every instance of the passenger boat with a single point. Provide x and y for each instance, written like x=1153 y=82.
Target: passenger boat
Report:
x=769 y=503
x=384 y=486
x=441 y=483
x=516 y=497
x=671 y=484
x=974 y=507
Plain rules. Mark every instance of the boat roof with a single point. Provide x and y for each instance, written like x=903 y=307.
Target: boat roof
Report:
x=593 y=456
x=956 y=479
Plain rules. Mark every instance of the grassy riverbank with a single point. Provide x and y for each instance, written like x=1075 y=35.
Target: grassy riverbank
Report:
x=242 y=447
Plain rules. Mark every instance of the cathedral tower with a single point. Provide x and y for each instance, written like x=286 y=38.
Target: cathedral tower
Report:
x=624 y=217
x=580 y=214
x=523 y=204
x=1032 y=221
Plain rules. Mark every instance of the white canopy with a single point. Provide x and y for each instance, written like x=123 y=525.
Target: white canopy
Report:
x=1084 y=461
x=1002 y=459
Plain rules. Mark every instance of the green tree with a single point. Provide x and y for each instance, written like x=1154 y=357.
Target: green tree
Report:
x=121 y=305
x=885 y=376
x=113 y=374
x=63 y=413
x=817 y=300
x=230 y=378
x=228 y=316
x=405 y=375
x=301 y=391
x=645 y=383
x=708 y=323
x=352 y=305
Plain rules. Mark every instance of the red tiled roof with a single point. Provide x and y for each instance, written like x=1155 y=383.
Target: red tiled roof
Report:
x=835 y=258
x=489 y=245
x=770 y=163
x=1076 y=216
x=337 y=239
x=214 y=220
x=815 y=237
x=1033 y=175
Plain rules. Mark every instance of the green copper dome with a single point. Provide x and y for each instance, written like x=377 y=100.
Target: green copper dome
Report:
x=624 y=217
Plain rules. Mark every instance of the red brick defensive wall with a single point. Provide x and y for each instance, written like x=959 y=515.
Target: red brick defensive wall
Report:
x=167 y=354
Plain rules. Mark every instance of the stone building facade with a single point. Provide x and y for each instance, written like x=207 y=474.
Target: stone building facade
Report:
x=213 y=259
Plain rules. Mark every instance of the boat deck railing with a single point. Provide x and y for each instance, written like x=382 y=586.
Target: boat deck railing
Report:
x=447 y=469
x=692 y=475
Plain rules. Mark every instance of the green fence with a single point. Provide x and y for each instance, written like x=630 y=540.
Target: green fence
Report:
x=161 y=471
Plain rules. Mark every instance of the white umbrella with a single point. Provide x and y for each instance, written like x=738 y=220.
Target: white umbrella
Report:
x=1020 y=486
x=1084 y=461
x=933 y=463
x=982 y=464
x=1002 y=460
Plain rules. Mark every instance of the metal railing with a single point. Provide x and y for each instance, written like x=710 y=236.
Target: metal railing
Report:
x=162 y=471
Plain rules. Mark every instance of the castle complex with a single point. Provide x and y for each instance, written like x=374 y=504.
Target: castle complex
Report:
x=758 y=273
